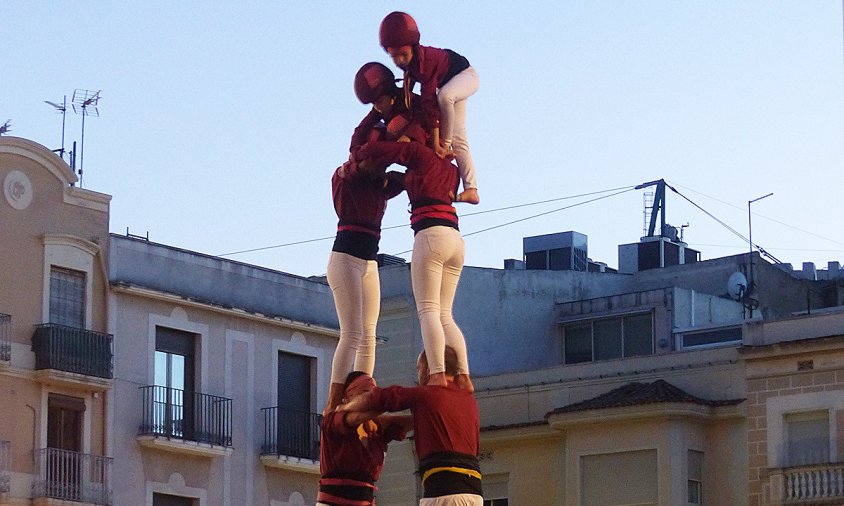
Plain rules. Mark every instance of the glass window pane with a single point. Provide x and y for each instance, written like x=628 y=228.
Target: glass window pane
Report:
x=695 y=465
x=607 y=338
x=808 y=438
x=578 y=343
x=695 y=481
x=67 y=297
x=177 y=371
x=638 y=335
x=619 y=478
x=160 y=369
x=712 y=337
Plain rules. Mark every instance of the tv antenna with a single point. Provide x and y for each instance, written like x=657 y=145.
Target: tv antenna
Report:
x=85 y=103
x=62 y=108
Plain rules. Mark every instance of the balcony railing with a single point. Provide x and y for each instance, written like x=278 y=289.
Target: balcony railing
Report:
x=291 y=433
x=819 y=482
x=5 y=477
x=5 y=337
x=72 y=476
x=190 y=416
x=72 y=350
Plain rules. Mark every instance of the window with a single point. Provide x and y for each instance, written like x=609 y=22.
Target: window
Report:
x=159 y=499
x=612 y=479
x=174 y=380
x=609 y=338
x=808 y=438
x=67 y=297
x=712 y=337
x=495 y=489
x=695 y=470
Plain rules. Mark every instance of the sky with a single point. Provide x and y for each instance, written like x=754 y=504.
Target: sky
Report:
x=220 y=123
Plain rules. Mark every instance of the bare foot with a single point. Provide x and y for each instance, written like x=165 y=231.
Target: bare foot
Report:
x=469 y=195
x=437 y=379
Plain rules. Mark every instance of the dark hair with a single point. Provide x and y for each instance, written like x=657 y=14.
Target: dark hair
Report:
x=351 y=377
x=450 y=360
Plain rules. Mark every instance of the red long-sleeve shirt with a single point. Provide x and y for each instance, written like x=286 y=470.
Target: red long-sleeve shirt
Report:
x=342 y=455
x=373 y=119
x=432 y=67
x=445 y=419
x=430 y=182
x=360 y=201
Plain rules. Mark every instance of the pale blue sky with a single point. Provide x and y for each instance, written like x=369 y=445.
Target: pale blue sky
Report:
x=221 y=123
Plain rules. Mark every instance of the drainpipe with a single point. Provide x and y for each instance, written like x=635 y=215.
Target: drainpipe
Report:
x=34 y=436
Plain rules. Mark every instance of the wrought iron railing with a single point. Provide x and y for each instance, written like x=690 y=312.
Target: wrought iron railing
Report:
x=290 y=432
x=73 y=350
x=190 y=416
x=5 y=477
x=5 y=337
x=73 y=476
x=812 y=483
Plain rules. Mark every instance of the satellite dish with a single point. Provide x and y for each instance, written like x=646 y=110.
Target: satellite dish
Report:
x=736 y=285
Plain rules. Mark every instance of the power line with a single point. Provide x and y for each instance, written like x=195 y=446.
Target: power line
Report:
x=538 y=202
x=731 y=229
x=537 y=215
x=759 y=215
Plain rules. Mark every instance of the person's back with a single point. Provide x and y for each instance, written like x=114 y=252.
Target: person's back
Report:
x=446 y=427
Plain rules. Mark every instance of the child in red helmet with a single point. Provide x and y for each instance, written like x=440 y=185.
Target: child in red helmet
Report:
x=375 y=84
x=444 y=111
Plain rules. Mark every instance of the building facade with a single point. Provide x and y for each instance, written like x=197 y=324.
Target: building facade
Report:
x=600 y=388
x=56 y=363
x=223 y=369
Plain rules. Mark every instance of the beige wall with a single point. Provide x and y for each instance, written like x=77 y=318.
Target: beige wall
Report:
x=789 y=378
x=45 y=221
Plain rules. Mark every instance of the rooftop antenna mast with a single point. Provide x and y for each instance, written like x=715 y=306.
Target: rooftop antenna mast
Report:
x=62 y=108
x=85 y=103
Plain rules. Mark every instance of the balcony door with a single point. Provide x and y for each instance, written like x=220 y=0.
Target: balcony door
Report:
x=298 y=432
x=64 y=442
x=175 y=352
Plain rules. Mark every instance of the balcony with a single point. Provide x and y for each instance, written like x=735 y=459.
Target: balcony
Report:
x=186 y=422
x=64 y=475
x=291 y=439
x=815 y=484
x=72 y=356
x=5 y=477
x=5 y=338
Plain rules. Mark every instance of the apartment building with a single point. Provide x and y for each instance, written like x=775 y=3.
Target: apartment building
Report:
x=222 y=371
x=654 y=386
x=56 y=362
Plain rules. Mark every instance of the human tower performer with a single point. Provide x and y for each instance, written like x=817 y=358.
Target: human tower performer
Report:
x=405 y=129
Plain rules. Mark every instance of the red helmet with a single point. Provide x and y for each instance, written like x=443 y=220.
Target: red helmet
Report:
x=372 y=81
x=398 y=29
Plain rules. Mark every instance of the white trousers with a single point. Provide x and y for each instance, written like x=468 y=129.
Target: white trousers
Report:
x=357 y=299
x=453 y=500
x=452 y=100
x=435 y=268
